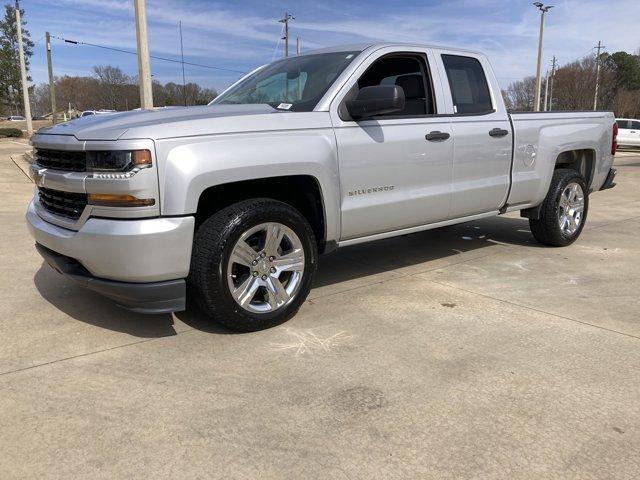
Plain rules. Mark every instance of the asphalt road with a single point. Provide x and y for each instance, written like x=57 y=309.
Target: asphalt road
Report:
x=464 y=352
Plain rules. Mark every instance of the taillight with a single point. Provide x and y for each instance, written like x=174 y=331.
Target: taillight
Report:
x=614 y=139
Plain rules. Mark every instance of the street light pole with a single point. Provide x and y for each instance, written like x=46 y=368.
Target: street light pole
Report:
x=23 y=73
x=144 y=63
x=543 y=11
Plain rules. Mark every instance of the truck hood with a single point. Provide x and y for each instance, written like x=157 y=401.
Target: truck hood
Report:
x=169 y=122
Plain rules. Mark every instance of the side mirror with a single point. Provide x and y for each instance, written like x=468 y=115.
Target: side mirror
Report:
x=376 y=100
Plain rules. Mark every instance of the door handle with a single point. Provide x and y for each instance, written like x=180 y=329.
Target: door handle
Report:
x=498 y=132
x=436 y=135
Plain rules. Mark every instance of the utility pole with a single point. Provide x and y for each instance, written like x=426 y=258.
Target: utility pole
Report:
x=144 y=64
x=23 y=73
x=543 y=11
x=546 y=91
x=285 y=20
x=297 y=45
x=52 y=82
x=184 y=81
x=595 y=97
x=553 y=74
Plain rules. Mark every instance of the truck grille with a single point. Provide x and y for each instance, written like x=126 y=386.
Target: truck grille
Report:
x=66 y=204
x=69 y=161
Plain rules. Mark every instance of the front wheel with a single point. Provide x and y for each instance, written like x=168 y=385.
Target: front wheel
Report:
x=253 y=263
x=564 y=210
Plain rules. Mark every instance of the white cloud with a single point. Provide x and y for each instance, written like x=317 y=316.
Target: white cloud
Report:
x=243 y=35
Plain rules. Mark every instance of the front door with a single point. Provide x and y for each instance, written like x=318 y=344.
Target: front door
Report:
x=395 y=170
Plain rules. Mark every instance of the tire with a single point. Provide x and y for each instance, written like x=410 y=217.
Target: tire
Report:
x=221 y=264
x=556 y=210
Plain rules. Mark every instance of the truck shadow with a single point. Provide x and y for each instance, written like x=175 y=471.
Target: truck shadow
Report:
x=423 y=249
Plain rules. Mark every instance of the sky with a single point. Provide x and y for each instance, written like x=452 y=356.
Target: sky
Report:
x=237 y=36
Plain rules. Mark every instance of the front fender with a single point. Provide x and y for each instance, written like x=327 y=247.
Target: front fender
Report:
x=192 y=165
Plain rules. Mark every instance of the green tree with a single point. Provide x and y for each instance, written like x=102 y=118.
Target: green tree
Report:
x=10 y=88
x=626 y=68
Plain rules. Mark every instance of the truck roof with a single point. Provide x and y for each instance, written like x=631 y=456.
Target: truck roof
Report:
x=376 y=45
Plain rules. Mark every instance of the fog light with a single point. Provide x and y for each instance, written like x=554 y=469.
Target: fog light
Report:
x=108 y=200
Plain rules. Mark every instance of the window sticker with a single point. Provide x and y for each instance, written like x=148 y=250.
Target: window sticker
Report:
x=284 y=106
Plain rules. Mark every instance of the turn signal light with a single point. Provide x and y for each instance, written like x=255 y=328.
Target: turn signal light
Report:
x=141 y=158
x=108 y=200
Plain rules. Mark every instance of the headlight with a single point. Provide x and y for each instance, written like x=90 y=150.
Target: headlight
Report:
x=117 y=160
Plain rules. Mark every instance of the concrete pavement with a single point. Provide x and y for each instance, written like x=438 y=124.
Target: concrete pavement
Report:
x=464 y=352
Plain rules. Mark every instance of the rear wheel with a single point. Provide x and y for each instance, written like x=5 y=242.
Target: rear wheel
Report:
x=564 y=210
x=253 y=264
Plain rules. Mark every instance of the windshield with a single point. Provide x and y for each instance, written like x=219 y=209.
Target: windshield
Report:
x=295 y=83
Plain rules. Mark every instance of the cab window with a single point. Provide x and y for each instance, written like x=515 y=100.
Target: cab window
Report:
x=408 y=72
x=468 y=84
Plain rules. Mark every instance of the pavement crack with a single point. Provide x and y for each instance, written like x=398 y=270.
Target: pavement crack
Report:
x=508 y=302
x=86 y=354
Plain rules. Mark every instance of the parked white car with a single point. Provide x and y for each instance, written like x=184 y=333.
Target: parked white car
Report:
x=628 y=132
x=88 y=113
x=16 y=118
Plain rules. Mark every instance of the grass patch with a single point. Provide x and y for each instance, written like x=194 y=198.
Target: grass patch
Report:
x=10 y=132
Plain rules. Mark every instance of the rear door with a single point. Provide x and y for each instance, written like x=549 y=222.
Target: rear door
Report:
x=481 y=134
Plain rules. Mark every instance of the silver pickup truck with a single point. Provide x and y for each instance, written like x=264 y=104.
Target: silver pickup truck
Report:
x=232 y=202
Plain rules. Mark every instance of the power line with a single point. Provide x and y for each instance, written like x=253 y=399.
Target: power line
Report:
x=155 y=57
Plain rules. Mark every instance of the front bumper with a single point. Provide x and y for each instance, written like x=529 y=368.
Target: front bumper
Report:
x=139 y=263
x=155 y=297
x=135 y=250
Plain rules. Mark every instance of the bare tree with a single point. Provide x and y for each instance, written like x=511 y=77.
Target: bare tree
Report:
x=112 y=81
x=520 y=95
x=110 y=88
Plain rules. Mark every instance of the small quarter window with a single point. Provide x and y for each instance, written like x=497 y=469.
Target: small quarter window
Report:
x=468 y=84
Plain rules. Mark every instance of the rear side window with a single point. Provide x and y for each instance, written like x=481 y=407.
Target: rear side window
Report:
x=623 y=124
x=468 y=84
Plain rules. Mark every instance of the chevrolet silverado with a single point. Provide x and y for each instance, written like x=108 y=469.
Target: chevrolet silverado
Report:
x=234 y=201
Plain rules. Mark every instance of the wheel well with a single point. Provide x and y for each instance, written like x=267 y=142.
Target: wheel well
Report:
x=582 y=161
x=300 y=191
